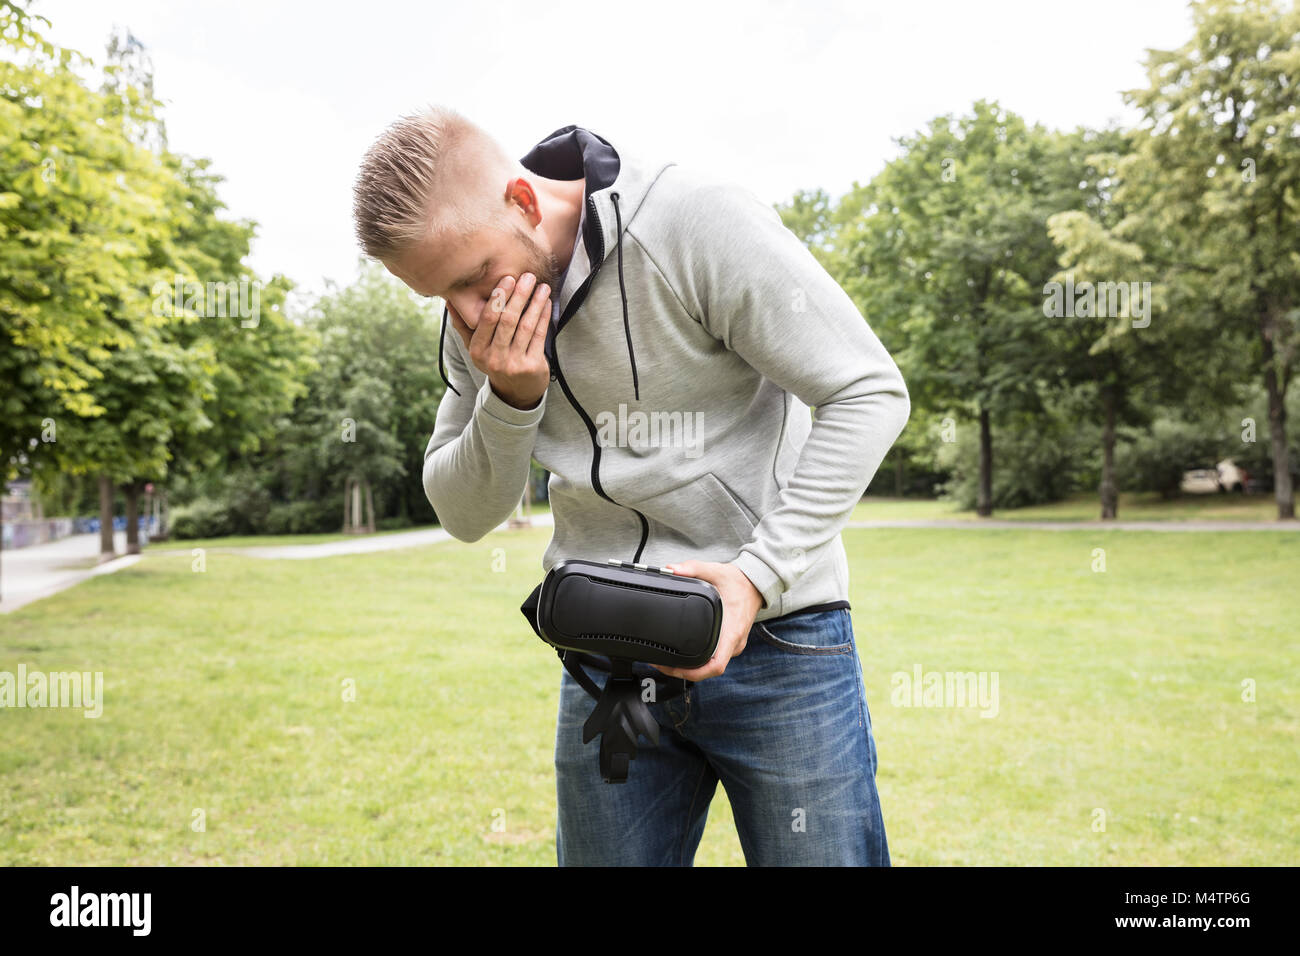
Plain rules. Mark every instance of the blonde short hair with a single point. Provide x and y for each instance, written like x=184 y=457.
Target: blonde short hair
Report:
x=432 y=173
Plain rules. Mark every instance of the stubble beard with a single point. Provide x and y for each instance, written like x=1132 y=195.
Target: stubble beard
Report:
x=544 y=265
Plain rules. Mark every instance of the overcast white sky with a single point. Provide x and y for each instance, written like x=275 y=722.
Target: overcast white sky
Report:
x=779 y=95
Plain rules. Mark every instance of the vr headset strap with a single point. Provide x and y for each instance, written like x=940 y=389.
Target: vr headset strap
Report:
x=621 y=714
x=570 y=660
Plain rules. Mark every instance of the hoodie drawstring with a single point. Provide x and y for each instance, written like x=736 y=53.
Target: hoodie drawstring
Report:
x=442 y=338
x=622 y=291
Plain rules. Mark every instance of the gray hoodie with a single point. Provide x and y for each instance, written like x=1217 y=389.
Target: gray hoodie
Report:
x=695 y=333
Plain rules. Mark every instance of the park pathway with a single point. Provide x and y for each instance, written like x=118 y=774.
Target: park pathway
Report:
x=29 y=574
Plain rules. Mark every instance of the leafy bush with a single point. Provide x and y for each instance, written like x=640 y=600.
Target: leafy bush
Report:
x=1034 y=461
x=247 y=504
x=303 y=517
x=202 y=518
x=1155 y=460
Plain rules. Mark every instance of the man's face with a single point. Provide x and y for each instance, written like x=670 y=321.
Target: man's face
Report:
x=465 y=273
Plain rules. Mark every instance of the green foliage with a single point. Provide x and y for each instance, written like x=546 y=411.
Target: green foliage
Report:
x=202 y=518
x=946 y=250
x=233 y=513
x=1180 y=438
x=1212 y=190
x=304 y=517
x=81 y=208
x=810 y=215
x=1040 y=459
x=366 y=409
x=239 y=504
x=1154 y=460
x=99 y=223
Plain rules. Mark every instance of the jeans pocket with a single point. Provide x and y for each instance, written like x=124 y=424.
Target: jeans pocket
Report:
x=816 y=633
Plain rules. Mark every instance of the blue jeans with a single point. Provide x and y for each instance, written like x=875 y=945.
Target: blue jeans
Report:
x=785 y=729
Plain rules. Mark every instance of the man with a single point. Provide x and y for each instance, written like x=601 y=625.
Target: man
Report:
x=655 y=338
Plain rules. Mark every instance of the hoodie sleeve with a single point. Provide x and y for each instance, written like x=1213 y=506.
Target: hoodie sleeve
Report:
x=755 y=287
x=476 y=462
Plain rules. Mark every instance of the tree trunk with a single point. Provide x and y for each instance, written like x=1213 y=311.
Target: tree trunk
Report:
x=106 y=552
x=1109 y=490
x=131 y=492
x=347 y=506
x=370 y=508
x=1283 y=490
x=984 y=497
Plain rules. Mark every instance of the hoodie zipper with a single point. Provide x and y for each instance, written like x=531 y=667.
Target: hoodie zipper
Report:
x=557 y=374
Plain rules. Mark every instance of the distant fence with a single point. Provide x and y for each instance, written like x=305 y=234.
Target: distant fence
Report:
x=91 y=525
x=27 y=532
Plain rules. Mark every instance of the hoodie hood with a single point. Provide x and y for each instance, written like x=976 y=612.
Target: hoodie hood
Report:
x=575 y=153
x=614 y=191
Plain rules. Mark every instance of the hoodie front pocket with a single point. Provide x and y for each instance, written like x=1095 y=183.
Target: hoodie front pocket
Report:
x=702 y=513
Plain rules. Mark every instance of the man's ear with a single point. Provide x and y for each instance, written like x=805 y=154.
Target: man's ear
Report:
x=520 y=192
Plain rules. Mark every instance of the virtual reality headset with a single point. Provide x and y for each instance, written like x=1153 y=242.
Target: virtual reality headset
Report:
x=625 y=612
x=630 y=611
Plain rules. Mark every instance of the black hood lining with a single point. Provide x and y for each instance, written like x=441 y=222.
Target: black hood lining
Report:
x=572 y=152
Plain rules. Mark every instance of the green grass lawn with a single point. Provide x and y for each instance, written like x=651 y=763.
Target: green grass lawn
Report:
x=1079 y=507
x=1118 y=691
x=1084 y=506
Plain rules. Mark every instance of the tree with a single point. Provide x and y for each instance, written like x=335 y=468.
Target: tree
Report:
x=257 y=358
x=378 y=389
x=115 y=276
x=1215 y=174
x=946 y=250
x=368 y=408
x=1129 y=340
x=77 y=200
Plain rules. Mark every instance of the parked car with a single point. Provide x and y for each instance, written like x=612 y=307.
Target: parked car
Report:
x=1231 y=477
x=1223 y=477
